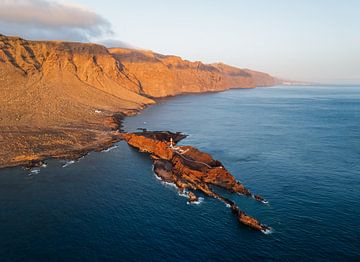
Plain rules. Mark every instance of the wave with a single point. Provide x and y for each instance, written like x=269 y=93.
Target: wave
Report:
x=268 y=231
x=198 y=202
x=158 y=178
x=264 y=201
x=164 y=182
x=184 y=193
x=170 y=184
x=68 y=163
x=109 y=149
x=34 y=172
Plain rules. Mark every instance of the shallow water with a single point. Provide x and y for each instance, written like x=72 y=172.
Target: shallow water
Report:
x=299 y=147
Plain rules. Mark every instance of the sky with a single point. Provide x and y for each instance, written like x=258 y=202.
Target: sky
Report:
x=304 y=40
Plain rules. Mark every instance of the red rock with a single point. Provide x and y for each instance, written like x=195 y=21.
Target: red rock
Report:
x=192 y=197
x=190 y=169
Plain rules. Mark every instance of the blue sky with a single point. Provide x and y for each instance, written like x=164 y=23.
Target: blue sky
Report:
x=309 y=40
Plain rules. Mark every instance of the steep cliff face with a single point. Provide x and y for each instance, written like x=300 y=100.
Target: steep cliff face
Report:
x=60 y=75
x=236 y=76
x=161 y=75
x=60 y=97
x=263 y=79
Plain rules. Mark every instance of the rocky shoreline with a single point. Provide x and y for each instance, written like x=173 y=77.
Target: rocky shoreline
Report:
x=189 y=169
x=92 y=139
x=61 y=99
x=192 y=171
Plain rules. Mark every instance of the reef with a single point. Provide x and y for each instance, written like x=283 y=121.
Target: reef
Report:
x=192 y=171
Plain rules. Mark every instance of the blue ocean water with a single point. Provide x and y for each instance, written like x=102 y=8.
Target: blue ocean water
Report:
x=299 y=147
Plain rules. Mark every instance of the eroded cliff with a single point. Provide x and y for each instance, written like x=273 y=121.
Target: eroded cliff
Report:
x=165 y=75
x=61 y=99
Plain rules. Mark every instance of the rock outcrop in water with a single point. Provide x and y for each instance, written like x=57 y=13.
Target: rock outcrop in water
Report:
x=191 y=170
x=62 y=99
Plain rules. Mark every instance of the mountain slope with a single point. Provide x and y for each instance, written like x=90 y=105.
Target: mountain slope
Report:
x=58 y=99
x=164 y=75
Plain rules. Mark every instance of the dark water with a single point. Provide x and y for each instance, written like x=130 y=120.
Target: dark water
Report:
x=297 y=146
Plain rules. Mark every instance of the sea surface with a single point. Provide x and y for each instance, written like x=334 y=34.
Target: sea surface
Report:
x=297 y=146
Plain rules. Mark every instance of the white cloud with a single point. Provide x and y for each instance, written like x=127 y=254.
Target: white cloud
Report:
x=116 y=43
x=44 y=19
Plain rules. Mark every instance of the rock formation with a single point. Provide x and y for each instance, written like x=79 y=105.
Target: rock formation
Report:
x=165 y=75
x=191 y=170
x=61 y=99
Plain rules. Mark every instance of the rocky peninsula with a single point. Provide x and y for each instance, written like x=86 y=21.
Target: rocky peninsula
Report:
x=192 y=171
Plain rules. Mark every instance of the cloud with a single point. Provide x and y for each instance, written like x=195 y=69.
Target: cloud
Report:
x=45 y=19
x=116 y=43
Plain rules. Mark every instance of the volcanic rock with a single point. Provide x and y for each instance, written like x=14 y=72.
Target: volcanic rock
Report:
x=191 y=170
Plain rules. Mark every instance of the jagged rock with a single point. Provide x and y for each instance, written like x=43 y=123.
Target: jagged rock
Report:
x=191 y=170
x=192 y=197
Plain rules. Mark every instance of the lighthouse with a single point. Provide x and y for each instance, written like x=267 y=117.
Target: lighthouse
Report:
x=171 y=142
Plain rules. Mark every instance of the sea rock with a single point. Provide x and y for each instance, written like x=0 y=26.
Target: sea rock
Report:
x=191 y=170
x=192 y=197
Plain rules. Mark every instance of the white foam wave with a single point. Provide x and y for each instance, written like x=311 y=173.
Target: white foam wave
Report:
x=169 y=184
x=268 y=231
x=264 y=201
x=68 y=163
x=184 y=193
x=164 y=182
x=157 y=177
x=198 y=202
x=34 y=172
x=109 y=149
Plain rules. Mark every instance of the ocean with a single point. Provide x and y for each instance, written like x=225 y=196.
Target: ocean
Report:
x=297 y=146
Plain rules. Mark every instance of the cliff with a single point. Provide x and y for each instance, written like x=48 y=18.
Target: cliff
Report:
x=59 y=98
x=165 y=75
x=62 y=99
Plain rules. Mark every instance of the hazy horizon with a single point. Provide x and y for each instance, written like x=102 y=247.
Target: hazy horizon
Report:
x=311 y=41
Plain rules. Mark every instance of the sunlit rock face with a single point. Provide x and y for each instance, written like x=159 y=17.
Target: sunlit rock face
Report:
x=164 y=75
x=191 y=170
x=62 y=99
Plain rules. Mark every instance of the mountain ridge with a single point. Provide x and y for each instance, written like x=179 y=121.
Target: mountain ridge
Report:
x=59 y=98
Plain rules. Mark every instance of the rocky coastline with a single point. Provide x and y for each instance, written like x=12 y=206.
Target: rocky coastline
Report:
x=62 y=99
x=192 y=171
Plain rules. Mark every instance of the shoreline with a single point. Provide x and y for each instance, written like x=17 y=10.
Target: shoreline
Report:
x=113 y=135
